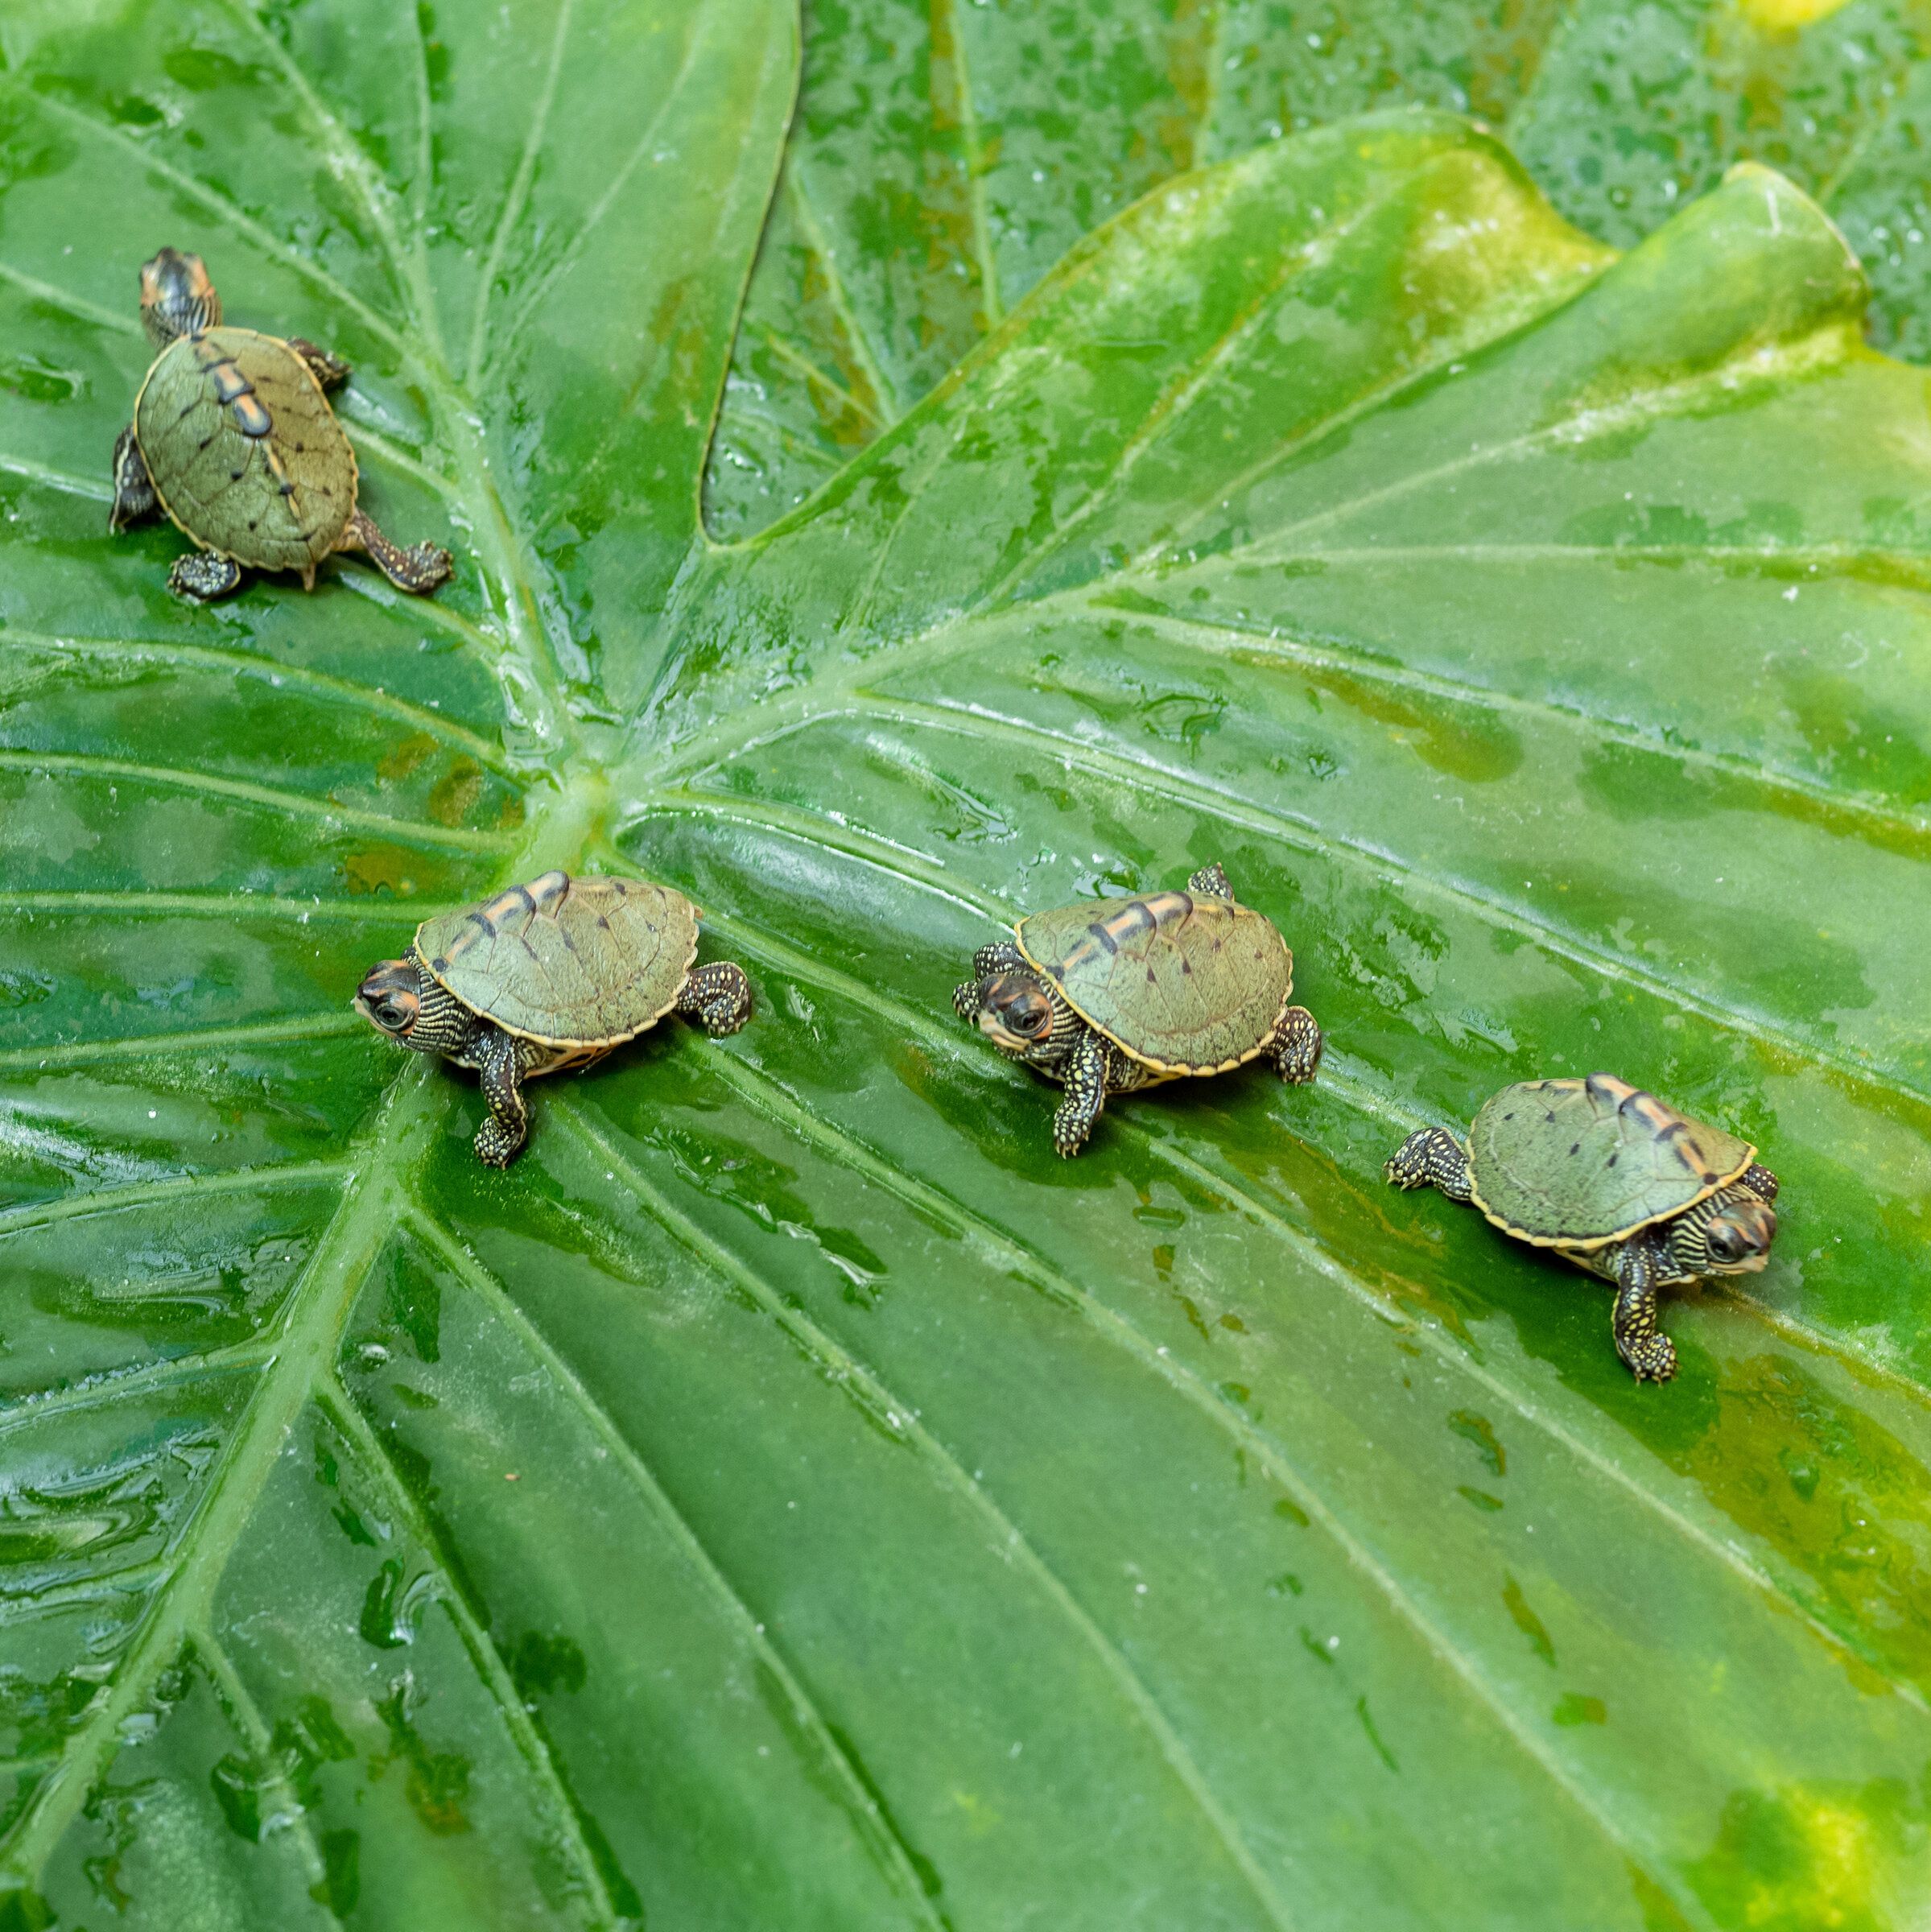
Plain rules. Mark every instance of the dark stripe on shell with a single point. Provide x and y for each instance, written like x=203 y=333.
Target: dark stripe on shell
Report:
x=229 y=380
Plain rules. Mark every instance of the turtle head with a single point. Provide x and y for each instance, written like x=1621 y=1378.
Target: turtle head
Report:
x=1729 y=1233
x=1023 y=1015
x=391 y=998
x=177 y=299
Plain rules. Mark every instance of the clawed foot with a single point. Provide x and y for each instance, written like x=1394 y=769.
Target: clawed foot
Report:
x=1297 y=1044
x=201 y=577
x=1650 y=1358
x=496 y=1145
x=1426 y=1158
x=716 y=996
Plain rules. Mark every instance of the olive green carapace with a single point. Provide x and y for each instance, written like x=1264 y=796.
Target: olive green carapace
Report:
x=215 y=479
x=545 y=977
x=1110 y=995
x=234 y=439
x=1184 y=983
x=1614 y=1179
x=582 y=963
x=1570 y=1163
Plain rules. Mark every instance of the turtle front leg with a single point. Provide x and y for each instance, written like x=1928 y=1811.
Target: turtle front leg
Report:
x=1649 y=1353
x=331 y=371
x=1085 y=1078
x=1294 y=1045
x=499 y=1139
x=1002 y=957
x=201 y=577
x=417 y=570
x=717 y=996
x=134 y=493
x=1211 y=882
x=1430 y=1158
x=1759 y=1180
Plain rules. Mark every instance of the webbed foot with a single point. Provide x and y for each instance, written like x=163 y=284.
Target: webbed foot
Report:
x=717 y=996
x=1002 y=957
x=1430 y=1158
x=497 y=1145
x=1211 y=882
x=1295 y=1047
x=201 y=577
x=417 y=570
x=330 y=370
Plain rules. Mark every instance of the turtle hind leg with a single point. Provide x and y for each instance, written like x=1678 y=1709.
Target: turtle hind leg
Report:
x=331 y=371
x=1430 y=1158
x=1294 y=1045
x=134 y=493
x=499 y=1139
x=417 y=570
x=201 y=577
x=1210 y=882
x=1085 y=1095
x=1648 y=1354
x=717 y=996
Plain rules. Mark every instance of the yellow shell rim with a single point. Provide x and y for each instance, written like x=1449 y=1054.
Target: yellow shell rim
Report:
x=1568 y=1243
x=551 y=1039
x=214 y=549
x=1175 y=1069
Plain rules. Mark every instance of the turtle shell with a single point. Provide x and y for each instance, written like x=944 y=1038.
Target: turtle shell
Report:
x=1182 y=982
x=1580 y=1163
x=245 y=453
x=571 y=963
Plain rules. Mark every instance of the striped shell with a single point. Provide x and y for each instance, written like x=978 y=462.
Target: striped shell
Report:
x=245 y=453
x=1580 y=1163
x=589 y=962
x=1183 y=982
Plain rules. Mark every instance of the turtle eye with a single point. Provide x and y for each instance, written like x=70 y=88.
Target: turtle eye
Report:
x=391 y=1007
x=1733 y=1239
x=1028 y=1011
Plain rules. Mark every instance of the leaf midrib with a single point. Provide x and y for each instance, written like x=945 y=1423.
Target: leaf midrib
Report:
x=318 y=1303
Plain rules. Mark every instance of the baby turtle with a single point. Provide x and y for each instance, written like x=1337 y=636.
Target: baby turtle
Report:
x=1114 y=994
x=545 y=977
x=1615 y=1180
x=233 y=438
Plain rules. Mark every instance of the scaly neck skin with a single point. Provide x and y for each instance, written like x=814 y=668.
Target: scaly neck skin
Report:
x=403 y=1002
x=1006 y=991
x=1729 y=1233
x=177 y=299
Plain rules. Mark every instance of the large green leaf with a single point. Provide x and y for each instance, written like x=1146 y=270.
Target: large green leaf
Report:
x=789 y=1496
x=944 y=156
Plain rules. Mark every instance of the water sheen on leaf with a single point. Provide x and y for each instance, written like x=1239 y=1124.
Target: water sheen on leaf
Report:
x=789 y=1495
x=944 y=155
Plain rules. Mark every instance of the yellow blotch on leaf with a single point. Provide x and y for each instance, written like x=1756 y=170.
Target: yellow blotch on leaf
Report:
x=1786 y=16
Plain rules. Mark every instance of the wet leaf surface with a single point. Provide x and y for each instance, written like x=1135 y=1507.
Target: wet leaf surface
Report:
x=944 y=156
x=790 y=1495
